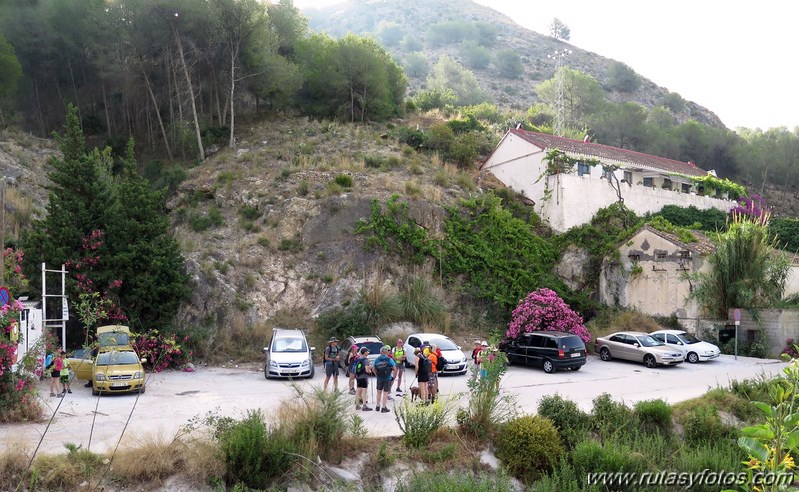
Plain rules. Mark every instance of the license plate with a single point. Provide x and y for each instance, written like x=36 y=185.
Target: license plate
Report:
x=118 y=385
x=575 y=354
x=292 y=371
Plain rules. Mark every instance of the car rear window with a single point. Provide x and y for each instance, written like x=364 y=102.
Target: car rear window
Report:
x=572 y=342
x=374 y=347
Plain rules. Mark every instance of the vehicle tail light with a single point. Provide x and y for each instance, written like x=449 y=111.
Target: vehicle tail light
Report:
x=561 y=354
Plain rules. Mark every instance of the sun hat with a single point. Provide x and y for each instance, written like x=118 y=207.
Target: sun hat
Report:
x=484 y=343
x=332 y=339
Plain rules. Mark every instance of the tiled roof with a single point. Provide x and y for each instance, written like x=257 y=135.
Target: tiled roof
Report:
x=703 y=245
x=608 y=153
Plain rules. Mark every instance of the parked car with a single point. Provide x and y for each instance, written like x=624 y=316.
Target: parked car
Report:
x=288 y=355
x=113 y=370
x=457 y=363
x=691 y=347
x=372 y=342
x=552 y=350
x=639 y=347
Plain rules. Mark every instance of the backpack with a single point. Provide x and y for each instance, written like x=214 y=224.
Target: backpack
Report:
x=425 y=365
x=383 y=367
x=358 y=366
x=48 y=362
x=441 y=363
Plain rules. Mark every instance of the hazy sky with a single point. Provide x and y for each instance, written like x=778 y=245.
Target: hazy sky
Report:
x=736 y=58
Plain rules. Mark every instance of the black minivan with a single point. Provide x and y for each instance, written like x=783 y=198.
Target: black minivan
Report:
x=552 y=350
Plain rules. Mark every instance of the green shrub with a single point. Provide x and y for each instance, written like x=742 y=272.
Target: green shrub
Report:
x=563 y=478
x=419 y=303
x=702 y=425
x=592 y=456
x=254 y=454
x=199 y=222
x=721 y=455
x=250 y=213
x=709 y=220
x=410 y=137
x=292 y=245
x=373 y=161
x=343 y=180
x=418 y=422
x=302 y=188
x=315 y=422
x=529 y=446
x=488 y=407
x=653 y=415
x=609 y=417
x=570 y=421
x=263 y=241
x=454 y=481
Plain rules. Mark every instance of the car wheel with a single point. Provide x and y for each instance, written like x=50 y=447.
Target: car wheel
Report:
x=266 y=372
x=575 y=369
x=650 y=361
x=549 y=367
x=692 y=358
x=310 y=376
x=604 y=354
x=141 y=391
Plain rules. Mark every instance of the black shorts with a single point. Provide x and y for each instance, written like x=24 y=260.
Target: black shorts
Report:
x=423 y=377
x=384 y=385
x=55 y=374
x=331 y=369
x=362 y=383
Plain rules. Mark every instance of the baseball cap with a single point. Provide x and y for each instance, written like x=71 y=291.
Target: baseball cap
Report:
x=364 y=350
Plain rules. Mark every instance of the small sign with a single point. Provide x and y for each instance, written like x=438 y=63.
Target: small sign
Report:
x=64 y=309
x=5 y=297
x=736 y=315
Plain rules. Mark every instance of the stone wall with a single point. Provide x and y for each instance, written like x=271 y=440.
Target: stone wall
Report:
x=779 y=325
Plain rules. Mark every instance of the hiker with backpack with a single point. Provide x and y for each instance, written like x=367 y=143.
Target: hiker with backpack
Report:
x=362 y=368
x=386 y=370
x=398 y=354
x=423 y=370
x=331 y=363
x=351 y=356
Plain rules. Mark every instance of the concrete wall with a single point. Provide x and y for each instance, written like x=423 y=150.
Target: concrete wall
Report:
x=792 y=286
x=659 y=289
x=779 y=325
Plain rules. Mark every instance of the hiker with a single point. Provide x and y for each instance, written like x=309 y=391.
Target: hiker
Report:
x=386 y=370
x=475 y=353
x=55 y=372
x=398 y=354
x=64 y=374
x=432 y=385
x=331 y=363
x=362 y=370
x=422 y=373
x=483 y=356
x=352 y=355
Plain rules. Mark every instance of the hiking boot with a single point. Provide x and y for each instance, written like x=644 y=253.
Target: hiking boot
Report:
x=52 y=394
x=385 y=410
x=357 y=407
x=60 y=395
x=69 y=391
x=366 y=409
x=377 y=408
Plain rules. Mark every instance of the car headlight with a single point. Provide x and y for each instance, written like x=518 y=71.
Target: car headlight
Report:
x=464 y=359
x=99 y=377
x=306 y=363
x=137 y=375
x=273 y=364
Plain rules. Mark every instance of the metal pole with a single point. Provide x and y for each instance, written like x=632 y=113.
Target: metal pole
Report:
x=736 y=339
x=63 y=300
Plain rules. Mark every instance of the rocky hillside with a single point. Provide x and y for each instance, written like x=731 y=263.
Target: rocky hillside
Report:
x=415 y=18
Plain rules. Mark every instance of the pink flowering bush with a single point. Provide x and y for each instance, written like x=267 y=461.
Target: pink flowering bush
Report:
x=161 y=351
x=790 y=349
x=543 y=309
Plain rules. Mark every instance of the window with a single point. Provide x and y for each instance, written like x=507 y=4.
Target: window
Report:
x=635 y=257
x=660 y=337
x=583 y=169
x=551 y=343
x=686 y=188
x=671 y=339
x=667 y=184
x=536 y=341
x=650 y=182
x=617 y=338
x=628 y=177
x=414 y=342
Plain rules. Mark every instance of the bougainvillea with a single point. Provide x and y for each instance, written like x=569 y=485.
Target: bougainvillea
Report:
x=543 y=309
x=161 y=351
x=753 y=207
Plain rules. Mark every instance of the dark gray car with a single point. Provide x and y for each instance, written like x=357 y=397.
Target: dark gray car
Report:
x=552 y=350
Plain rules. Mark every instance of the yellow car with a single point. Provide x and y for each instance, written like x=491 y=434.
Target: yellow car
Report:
x=116 y=367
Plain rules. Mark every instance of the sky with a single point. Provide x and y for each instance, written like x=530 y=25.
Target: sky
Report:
x=736 y=58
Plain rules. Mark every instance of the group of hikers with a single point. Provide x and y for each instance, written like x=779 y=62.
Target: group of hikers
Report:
x=57 y=367
x=389 y=368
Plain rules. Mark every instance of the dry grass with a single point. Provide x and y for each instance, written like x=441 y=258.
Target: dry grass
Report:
x=13 y=468
x=151 y=459
x=619 y=320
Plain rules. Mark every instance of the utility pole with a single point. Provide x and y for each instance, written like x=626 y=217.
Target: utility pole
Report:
x=560 y=106
x=3 y=231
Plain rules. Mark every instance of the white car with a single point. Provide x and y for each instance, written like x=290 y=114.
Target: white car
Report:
x=457 y=363
x=693 y=348
x=288 y=355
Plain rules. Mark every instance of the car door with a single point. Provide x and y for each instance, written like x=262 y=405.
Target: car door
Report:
x=534 y=350
x=519 y=349
x=673 y=342
x=628 y=349
x=82 y=363
x=616 y=345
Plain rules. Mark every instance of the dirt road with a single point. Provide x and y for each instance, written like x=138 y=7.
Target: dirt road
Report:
x=173 y=398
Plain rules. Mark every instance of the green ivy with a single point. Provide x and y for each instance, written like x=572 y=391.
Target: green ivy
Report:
x=394 y=231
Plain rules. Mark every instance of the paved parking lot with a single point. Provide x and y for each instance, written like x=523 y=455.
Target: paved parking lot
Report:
x=172 y=398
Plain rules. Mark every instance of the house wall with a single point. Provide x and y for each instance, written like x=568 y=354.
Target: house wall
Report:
x=792 y=286
x=659 y=289
x=518 y=164
x=779 y=325
x=573 y=200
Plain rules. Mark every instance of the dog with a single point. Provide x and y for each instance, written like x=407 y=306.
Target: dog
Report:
x=414 y=393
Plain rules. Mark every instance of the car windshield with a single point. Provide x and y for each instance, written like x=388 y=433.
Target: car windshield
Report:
x=374 y=347
x=572 y=342
x=116 y=358
x=289 y=344
x=648 y=341
x=688 y=338
x=443 y=343
x=113 y=338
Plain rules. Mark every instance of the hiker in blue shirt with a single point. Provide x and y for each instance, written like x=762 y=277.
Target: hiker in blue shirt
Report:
x=386 y=369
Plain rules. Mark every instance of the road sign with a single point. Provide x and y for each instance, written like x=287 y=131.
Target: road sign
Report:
x=5 y=297
x=736 y=315
x=64 y=309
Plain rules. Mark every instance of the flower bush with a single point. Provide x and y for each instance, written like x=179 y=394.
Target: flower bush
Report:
x=543 y=309
x=753 y=207
x=790 y=349
x=161 y=351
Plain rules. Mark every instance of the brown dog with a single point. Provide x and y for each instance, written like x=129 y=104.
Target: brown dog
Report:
x=414 y=393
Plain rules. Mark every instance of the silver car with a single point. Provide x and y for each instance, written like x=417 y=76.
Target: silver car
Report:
x=288 y=355
x=695 y=350
x=637 y=347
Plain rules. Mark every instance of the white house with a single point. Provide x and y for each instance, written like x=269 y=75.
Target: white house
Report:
x=30 y=330
x=646 y=183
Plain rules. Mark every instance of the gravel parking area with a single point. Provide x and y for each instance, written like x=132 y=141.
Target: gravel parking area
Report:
x=173 y=398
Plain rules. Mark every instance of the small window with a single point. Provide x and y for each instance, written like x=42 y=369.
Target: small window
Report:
x=685 y=254
x=583 y=169
x=650 y=182
x=667 y=184
x=628 y=177
x=660 y=254
x=686 y=188
x=634 y=257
